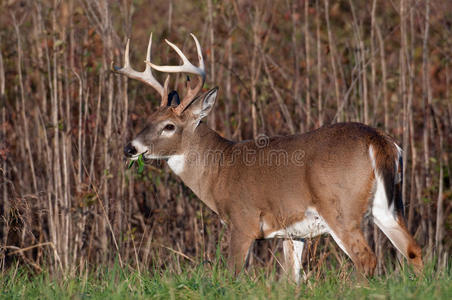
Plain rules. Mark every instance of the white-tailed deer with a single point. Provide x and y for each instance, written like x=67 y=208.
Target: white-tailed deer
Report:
x=289 y=187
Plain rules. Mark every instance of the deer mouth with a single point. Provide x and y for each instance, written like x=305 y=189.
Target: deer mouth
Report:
x=142 y=154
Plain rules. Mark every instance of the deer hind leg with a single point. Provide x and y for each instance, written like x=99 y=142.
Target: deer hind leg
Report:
x=347 y=233
x=353 y=243
x=293 y=253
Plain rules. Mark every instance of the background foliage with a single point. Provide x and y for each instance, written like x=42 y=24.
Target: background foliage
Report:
x=67 y=199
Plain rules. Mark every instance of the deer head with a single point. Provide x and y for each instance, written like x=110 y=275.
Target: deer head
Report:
x=170 y=127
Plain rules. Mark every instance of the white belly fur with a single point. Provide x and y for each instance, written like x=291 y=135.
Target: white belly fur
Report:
x=311 y=226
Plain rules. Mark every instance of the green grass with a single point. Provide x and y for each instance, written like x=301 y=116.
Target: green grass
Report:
x=206 y=282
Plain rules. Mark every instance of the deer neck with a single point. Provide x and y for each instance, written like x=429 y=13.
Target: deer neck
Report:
x=200 y=163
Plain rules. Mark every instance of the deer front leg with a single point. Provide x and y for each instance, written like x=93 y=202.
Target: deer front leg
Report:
x=238 y=250
x=293 y=251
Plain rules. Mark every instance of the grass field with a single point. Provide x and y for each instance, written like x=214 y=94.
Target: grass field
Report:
x=213 y=282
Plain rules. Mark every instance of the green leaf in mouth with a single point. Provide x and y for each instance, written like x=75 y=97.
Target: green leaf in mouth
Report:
x=140 y=164
x=130 y=164
x=139 y=161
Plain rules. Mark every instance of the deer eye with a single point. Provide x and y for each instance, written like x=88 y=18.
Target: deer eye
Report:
x=169 y=127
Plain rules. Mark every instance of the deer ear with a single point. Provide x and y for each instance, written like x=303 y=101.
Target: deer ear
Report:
x=202 y=106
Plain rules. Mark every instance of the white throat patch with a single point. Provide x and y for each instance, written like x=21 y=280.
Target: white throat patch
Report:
x=176 y=163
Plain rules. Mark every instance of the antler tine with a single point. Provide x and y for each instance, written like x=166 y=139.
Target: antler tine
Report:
x=164 y=101
x=186 y=67
x=198 y=50
x=145 y=76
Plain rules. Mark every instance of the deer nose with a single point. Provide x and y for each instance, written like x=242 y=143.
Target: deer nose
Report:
x=129 y=150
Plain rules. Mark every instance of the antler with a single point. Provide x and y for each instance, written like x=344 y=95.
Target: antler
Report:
x=145 y=76
x=186 y=67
